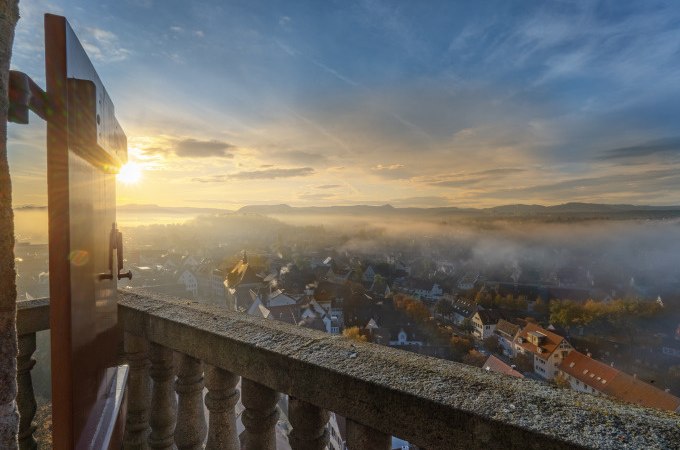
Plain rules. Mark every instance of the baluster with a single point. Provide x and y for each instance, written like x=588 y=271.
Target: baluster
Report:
x=360 y=436
x=25 y=396
x=309 y=425
x=260 y=416
x=163 y=400
x=139 y=393
x=191 y=428
x=220 y=400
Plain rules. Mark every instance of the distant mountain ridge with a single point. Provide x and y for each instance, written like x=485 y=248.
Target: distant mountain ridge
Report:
x=504 y=210
x=513 y=210
x=152 y=208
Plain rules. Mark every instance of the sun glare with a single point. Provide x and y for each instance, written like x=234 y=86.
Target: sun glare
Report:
x=130 y=173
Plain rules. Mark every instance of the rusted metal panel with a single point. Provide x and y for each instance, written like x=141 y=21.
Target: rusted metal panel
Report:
x=85 y=147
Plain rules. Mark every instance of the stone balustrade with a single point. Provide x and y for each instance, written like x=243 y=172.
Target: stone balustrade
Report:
x=177 y=350
x=383 y=392
x=32 y=316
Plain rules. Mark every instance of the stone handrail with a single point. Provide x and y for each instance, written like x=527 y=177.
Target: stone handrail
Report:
x=432 y=403
x=32 y=316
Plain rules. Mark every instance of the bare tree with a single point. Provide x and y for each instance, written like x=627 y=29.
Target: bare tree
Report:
x=9 y=416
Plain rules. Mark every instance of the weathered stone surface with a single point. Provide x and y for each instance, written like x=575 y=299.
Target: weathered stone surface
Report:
x=25 y=395
x=309 y=425
x=430 y=402
x=260 y=416
x=360 y=436
x=191 y=428
x=220 y=400
x=33 y=315
x=139 y=393
x=163 y=400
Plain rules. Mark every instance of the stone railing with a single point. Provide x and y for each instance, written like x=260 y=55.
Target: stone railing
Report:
x=382 y=392
x=431 y=403
x=32 y=316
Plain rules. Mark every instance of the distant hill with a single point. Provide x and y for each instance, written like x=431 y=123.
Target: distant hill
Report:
x=155 y=209
x=566 y=210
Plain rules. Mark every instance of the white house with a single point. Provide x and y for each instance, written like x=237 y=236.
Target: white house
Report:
x=547 y=348
x=405 y=336
x=190 y=282
x=507 y=332
x=484 y=322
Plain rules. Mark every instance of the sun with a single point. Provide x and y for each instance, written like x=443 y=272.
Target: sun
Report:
x=130 y=173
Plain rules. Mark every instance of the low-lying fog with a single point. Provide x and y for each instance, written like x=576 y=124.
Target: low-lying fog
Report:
x=632 y=257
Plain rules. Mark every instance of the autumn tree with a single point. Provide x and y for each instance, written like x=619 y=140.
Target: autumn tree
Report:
x=354 y=333
x=444 y=307
x=460 y=346
x=474 y=358
x=492 y=345
x=541 y=307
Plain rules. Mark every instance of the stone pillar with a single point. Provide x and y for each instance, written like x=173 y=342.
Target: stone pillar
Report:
x=259 y=417
x=26 y=397
x=220 y=400
x=139 y=393
x=191 y=428
x=361 y=436
x=309 y=425
x=163 y=400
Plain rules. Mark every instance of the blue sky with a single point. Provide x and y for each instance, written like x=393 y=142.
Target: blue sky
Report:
x=412 y=103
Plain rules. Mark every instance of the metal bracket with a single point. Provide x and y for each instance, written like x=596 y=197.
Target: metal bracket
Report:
x=25 y=95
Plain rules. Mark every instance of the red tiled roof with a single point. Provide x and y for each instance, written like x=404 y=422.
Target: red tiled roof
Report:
x=615 y=383
x=587 y=370
x=507 y=329
x=632 y=390
x=550 y=343
x=494 y=364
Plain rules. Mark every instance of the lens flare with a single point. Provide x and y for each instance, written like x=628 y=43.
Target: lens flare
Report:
x=79 y=257
x=130 y=173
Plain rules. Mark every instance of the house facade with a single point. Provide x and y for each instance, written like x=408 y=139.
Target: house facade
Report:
x=548 y=349
x=484 y=322
x=506 y=333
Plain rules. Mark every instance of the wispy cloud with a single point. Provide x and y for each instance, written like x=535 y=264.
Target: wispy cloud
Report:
x=103 y=45
x=194 y=148
x=668 y=146
x=272 y=173
x=266 y=174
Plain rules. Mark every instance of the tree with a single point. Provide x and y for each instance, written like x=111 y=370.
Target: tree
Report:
x=9 y=416
x=474 y=358
x=467 y=326
x=540 y=307
x=460 y=346
x=565 y=313
x=492 y=345
x=525 y=363
x=444 y=307
x=354 y=333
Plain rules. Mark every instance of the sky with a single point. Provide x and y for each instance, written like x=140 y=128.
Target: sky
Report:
x=428 y=103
